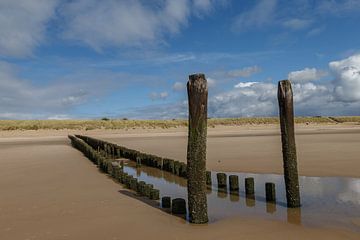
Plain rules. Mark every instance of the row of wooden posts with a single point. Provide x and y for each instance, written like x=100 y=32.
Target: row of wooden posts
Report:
x=234 y=185
x=116 y=171
x=115 y=151
x=195 y=169
x=196 y=151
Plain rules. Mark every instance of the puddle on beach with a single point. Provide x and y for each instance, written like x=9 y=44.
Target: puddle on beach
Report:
x=326 y=201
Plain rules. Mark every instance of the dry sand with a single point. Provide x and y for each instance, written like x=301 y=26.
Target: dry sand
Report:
x=50 y=191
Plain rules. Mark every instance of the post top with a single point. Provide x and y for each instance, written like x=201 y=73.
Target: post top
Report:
x=284 y=89
x=196 y=76
x=284 y=82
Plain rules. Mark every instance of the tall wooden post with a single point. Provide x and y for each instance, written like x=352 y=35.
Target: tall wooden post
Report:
x=196 y=151
x=285 y=98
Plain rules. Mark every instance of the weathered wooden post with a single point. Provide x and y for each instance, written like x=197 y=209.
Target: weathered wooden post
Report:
x=286 y=110
x=166 y=202
x=178 y=206
x=154 y=194
x=196 y=151
x=249 y=186
x=234 y=182
x=270 y=192
x=221 y=179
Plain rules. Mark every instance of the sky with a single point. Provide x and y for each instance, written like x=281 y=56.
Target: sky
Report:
x=70 y=59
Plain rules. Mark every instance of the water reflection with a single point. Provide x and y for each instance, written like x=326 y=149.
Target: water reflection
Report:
x=270 y=208
x=326 y=201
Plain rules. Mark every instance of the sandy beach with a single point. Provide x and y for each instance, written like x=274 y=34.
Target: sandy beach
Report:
x=50 y=191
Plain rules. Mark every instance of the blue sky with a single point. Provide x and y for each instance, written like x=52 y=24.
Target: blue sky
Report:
x=122 y=58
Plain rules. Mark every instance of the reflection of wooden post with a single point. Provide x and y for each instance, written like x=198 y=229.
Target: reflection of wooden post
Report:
x=196 y=150
x=285 y=98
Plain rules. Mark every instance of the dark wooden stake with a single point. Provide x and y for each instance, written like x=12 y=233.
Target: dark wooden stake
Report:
x=221 y=179
x=234 y=182
x=270 y=192
x=249 y=186
x=196 y=151
x=286 y=110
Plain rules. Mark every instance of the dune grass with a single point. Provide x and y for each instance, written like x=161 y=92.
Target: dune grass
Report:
x=7 y=125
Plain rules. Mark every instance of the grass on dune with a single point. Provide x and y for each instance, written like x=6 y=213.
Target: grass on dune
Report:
x=129 y=124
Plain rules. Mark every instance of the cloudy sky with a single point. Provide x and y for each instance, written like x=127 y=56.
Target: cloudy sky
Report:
x=131 y=58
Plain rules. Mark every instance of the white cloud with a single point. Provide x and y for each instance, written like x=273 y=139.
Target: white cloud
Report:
x=179 y=86
x=338 y=97
x=158 y=96
x=244 y=72
x=256 y=99
x=260 y=15
x=23 y=25
x=205 y=6
x=306 y=75
x=59 y=117
x=347 y=78
x=244 y=84
x=297 y=23
x=20 y=98
x=211 y=82
x=101 y=24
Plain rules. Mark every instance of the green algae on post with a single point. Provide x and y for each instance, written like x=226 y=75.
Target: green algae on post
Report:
x=221 y=179
x=154 y=194
x=286 y=111
x=234 y=183
x=249 y=186
x=196 y=149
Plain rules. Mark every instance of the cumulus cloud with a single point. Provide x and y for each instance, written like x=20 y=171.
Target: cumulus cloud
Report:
x=260 y=15
x=211 y=82
x=20 y=98
x=347 y=78
x=244 y=72
x=23 y=25
x=179 y=86
x=244 y=84
x=307 y=75
x=255 y=99
x=247 y=99
x=338 y=97
x=158 y=96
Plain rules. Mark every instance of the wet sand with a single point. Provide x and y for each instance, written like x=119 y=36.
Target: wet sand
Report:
x=322 y=150
x=50 y=191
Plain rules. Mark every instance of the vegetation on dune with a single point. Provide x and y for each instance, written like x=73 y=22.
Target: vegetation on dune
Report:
x=146 y=124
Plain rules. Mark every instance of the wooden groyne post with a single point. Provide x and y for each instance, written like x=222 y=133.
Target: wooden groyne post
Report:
x=286 y=111
x=196 y=150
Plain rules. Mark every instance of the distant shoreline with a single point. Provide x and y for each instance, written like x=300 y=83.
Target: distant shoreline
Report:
x=8 y=125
